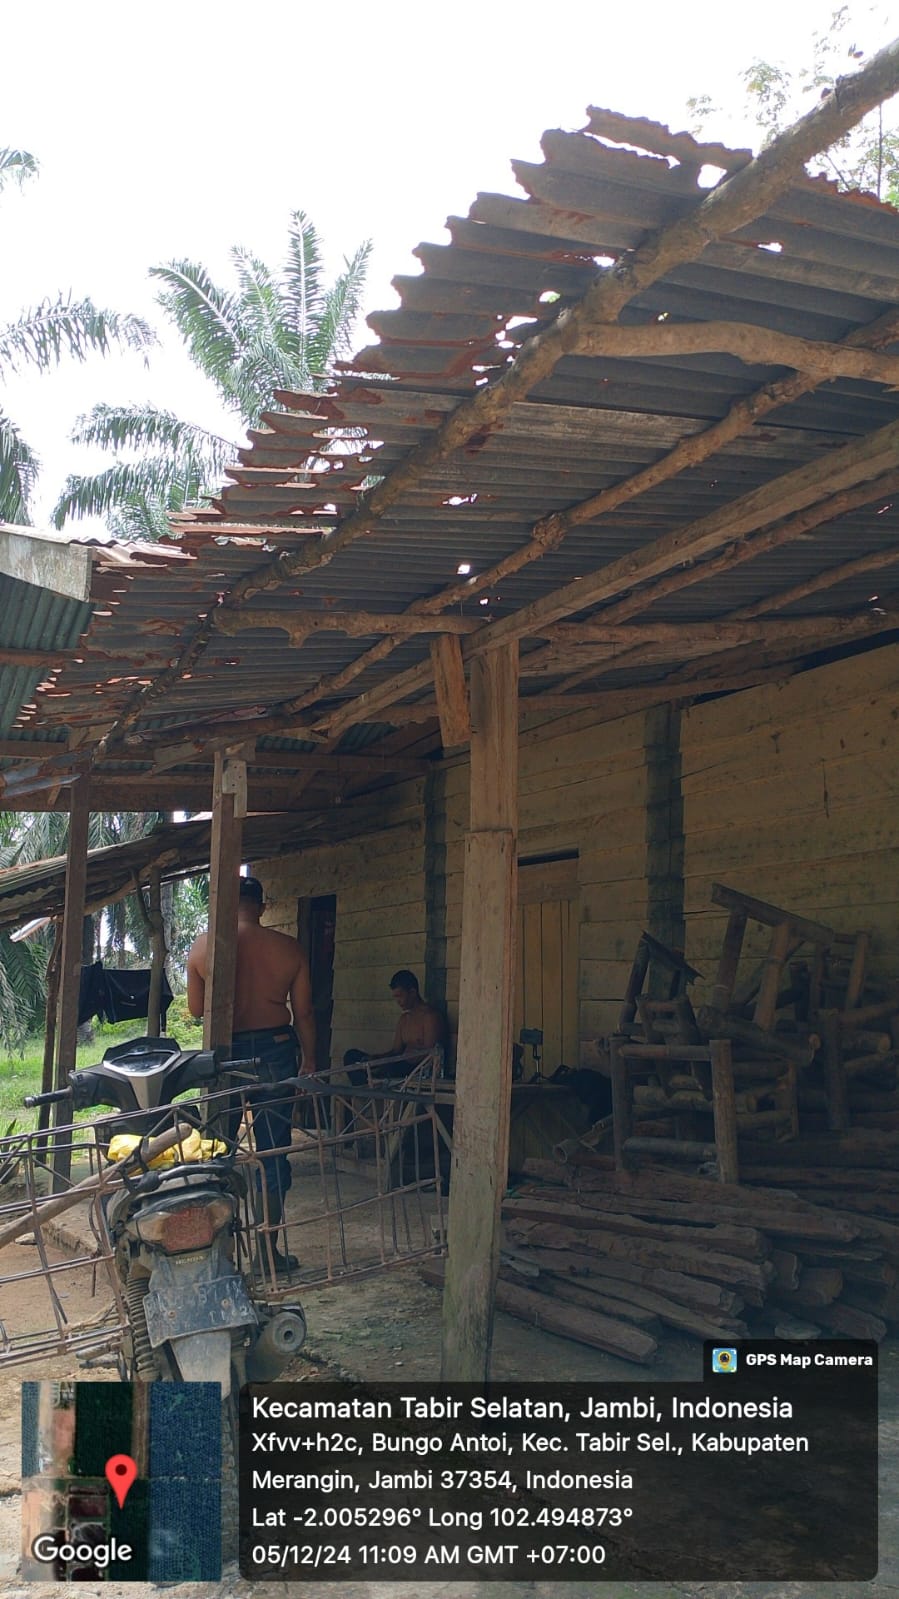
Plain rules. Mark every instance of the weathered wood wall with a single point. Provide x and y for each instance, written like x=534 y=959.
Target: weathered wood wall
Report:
x=379 y=881
x=582 y=788
x=790 y=794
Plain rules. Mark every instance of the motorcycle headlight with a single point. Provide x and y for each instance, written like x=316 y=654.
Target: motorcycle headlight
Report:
x=188 y=1227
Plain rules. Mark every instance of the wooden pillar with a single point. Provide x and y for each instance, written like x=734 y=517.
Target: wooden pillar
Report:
x=158 y=953
x=50 y=1016
x=228 y=810
x=484 y=1051
x=70 y=970
x=724 y=1107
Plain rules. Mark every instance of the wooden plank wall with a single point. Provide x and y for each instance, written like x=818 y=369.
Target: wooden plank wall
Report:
x=582 y=788
x=790 y=794
x=379 y=881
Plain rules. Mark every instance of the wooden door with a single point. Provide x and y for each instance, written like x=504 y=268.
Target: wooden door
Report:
x=546 y=989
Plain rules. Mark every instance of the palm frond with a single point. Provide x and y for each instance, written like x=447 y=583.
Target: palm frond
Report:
x=207 y=318
x=121 y=427
x=47 y=332
x=333 y=334
x=260 y=301
x=303 y=275
x=18 y=472
x=16 y=166
x=151 y=480
x=177 y=462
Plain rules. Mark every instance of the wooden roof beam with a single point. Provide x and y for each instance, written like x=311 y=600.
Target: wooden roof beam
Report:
x=754 y=345
x=737 y=201
x=298 y=625
x=550 y=530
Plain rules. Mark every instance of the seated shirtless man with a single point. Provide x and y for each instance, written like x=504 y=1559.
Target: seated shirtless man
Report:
x=272 y=998
x=420 y=1028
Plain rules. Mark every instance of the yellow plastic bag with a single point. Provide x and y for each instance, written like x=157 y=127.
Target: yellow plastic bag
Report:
x=193 y=1148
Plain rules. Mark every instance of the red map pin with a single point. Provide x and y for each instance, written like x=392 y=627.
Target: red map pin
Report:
x=120 y=1471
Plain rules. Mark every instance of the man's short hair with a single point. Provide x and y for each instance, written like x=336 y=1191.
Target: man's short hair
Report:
x=405 y=980
x=251 y=889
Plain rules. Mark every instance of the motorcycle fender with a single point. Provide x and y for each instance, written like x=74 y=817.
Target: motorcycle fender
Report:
x=204 y=1357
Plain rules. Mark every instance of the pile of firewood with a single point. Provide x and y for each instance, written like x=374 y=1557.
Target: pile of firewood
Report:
x=613 y=1259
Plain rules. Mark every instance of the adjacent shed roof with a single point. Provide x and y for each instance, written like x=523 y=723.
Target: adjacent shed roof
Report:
x=701 y=467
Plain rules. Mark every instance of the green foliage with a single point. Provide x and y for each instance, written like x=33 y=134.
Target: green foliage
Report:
x=866 y=158
x=40 y=338
x=271 y=330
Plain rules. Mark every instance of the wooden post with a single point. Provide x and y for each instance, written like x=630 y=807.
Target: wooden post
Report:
x=731 y=951
x=52 y=1005
x=769 y=988
x=452 y=694
x=834 y=1071
x=622 y=1116
x=724 y=1108
x=484 y=1053
x=70 y=971
x=159 y=952
x=224 y=873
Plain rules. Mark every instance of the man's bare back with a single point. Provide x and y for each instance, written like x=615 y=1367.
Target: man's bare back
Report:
x=268 y=965
x=420 y=1028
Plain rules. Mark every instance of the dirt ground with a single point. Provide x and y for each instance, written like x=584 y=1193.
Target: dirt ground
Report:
x=388 y=1326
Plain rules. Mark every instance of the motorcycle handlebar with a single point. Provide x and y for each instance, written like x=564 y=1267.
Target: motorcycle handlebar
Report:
x=51 y=1098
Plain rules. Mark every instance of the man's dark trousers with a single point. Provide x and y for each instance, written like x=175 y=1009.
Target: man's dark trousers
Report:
x=277 y=1051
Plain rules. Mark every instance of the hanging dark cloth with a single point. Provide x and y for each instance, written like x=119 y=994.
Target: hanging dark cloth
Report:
x=118 y=996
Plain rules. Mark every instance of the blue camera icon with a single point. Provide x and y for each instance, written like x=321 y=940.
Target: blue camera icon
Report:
x=724 y=1360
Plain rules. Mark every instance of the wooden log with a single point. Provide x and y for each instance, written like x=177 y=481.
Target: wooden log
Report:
x=786 y=1268
x=695 y=1292
x=783 y=1325
x=729 y=961
x=615 y=1337
x=800 y=1177
x=861 y=1065
x=851 y=1323
x=856 y=983
x=742 y=1274
x=480 y=1159
x=550 y=1172
x=877 y=1011
x=714 y=1024
x=885 y=1205
x=818 y=1285
x=668 y=1311
x=662 y=1183
x=685 y=1149
x=816 y=1225
x=778 y=954
x=856 y=1267
x=747 y=1242
x=580 y=1293
x=855 y=1148
x=866 y=1042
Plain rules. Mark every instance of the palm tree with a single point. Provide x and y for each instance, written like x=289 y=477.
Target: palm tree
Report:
x=40 y=337
x=275 y=330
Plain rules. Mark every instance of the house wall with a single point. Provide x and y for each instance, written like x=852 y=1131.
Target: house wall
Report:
x=790 y=794
x=379 y=881
x=787 y=793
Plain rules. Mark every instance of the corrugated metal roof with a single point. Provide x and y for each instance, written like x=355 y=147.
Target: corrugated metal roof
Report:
x=817 y=265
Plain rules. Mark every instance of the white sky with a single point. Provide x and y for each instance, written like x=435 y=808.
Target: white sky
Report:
x=172 y=128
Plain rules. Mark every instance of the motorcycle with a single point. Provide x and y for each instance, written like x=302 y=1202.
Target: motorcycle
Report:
x=176 y=1229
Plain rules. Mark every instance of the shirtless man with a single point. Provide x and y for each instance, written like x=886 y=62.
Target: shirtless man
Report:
x=421 y=1026
x=272 y=997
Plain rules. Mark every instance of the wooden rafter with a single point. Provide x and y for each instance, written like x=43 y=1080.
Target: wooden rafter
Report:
x=736 y=202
